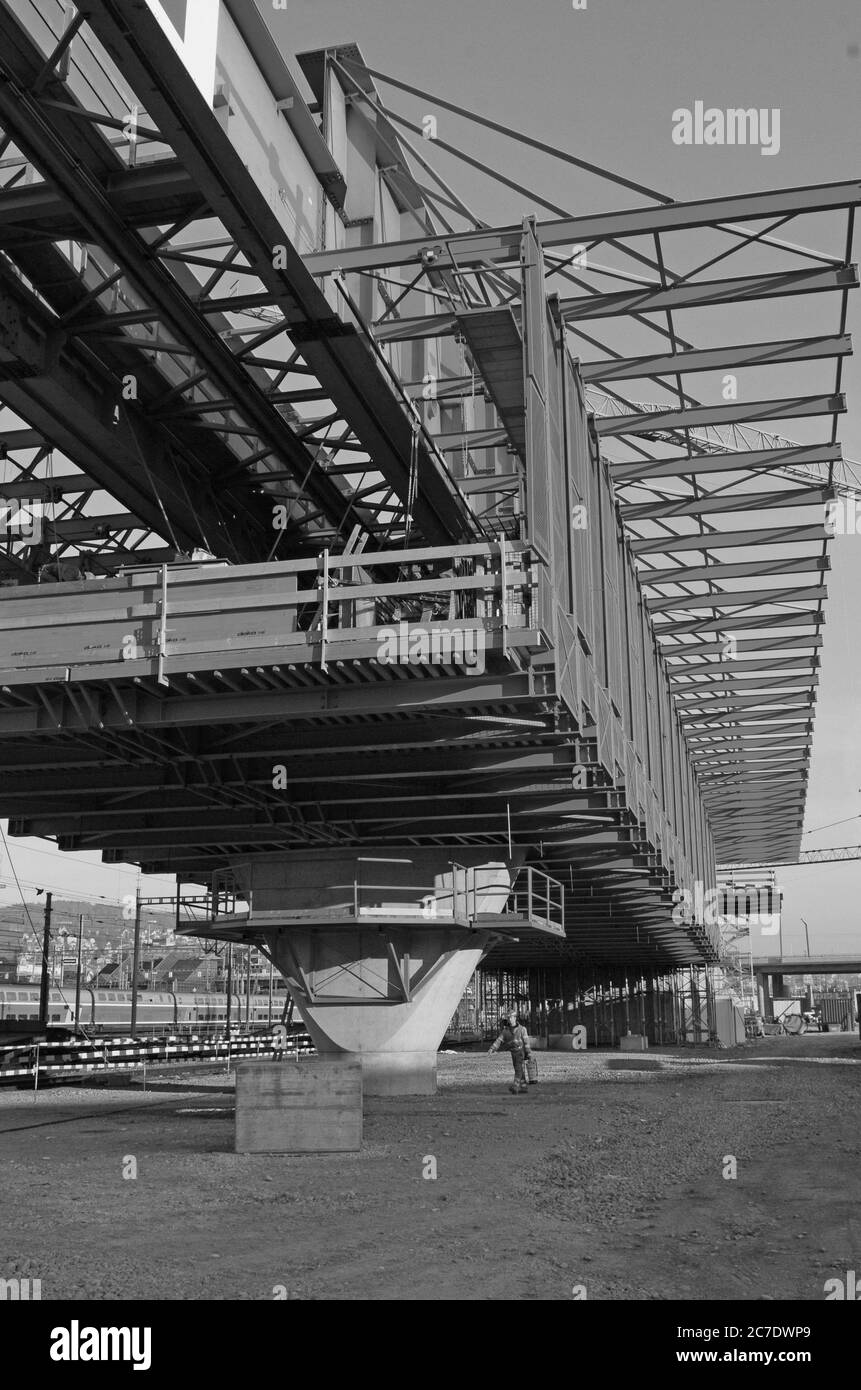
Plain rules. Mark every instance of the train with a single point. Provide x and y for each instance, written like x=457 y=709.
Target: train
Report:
x=109 y=1011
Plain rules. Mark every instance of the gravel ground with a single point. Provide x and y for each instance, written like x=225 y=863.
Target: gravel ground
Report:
x=608 y=1176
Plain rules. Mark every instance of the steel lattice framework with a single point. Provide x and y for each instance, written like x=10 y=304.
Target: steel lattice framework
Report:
x=197 y=368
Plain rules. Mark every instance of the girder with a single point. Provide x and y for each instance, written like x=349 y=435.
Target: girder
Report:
x=142 y=197
x=332 y=349
x=501 y=245
x=708 y=294
x=86 y=182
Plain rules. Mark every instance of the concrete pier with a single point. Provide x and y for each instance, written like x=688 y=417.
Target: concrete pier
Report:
x=377 y=949
x=383 y=994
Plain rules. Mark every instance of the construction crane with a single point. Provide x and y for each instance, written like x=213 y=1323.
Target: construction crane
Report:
x=719 y=439
x=806 y=856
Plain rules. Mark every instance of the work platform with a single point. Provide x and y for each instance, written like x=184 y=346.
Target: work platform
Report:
x=367 y=542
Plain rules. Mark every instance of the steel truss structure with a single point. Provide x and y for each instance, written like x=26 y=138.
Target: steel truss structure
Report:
x=372 y=430
x=807 y=856
x=607 y=1002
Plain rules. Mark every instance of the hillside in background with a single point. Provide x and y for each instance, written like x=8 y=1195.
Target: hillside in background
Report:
x=103 y=922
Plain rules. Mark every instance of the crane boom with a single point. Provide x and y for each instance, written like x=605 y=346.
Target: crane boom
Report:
x=807 y=856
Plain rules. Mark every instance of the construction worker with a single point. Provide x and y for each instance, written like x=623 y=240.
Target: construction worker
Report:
x=514 y=1037
x=37 y=556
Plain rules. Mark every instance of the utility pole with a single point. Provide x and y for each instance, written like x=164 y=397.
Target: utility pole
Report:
x=229 y=982
x=806 y=935
x=46 y=947
x=135 y=960
x=753 y=983
x=78 y=974
x=247 y=987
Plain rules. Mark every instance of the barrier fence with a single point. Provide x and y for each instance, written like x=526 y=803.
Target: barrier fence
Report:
x=71 y=1058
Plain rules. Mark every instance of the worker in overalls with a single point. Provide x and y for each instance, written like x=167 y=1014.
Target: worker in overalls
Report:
x=515 y=1039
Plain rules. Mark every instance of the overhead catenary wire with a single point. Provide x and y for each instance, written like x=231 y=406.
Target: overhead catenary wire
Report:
x=831 y=824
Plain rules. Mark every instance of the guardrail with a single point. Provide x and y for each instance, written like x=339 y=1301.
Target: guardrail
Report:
x=464 y=896
x=537 y=896
x=447 y=606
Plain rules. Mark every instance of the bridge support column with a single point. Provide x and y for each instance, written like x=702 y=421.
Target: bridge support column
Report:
x=771 y=987
x=384 y=995
x=376 y=949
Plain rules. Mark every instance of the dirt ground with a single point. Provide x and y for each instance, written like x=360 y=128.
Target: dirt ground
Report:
x=608 y=1176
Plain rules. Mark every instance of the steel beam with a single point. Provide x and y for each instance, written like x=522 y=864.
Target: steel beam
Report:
x=739 y=412
x=717 y=573
x=501 y=245
x=747 y=460
x=721 y=502
x=723 y=359
x=728 y=540
x=734 y=598
x=686 y=295
x=148 y=196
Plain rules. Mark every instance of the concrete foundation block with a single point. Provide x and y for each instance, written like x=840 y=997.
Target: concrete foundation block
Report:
x=310 y=1106
x=633 y=1042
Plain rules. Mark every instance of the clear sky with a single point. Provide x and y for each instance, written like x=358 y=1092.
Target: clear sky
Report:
x=603 y=83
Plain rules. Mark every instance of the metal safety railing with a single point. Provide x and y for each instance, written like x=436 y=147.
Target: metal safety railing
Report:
x=538 y=897
x=436 y=606
x=455 y=902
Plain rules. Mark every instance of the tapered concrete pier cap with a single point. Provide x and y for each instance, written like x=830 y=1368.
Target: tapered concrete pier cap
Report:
x=377 y=948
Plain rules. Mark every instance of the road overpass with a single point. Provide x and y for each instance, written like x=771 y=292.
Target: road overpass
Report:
x=807 y=965
x=466 y=668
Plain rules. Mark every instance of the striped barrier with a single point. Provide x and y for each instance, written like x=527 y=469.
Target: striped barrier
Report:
x=64 y=1058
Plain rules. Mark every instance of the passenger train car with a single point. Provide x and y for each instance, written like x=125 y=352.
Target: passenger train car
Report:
x=107 y=1011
